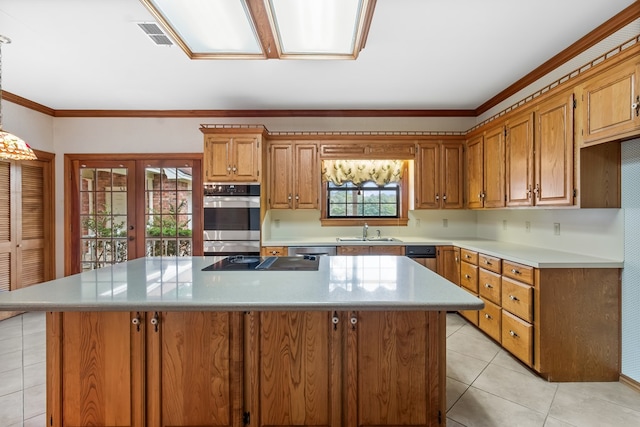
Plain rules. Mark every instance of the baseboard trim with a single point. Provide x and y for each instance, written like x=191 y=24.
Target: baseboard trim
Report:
x=630 y=382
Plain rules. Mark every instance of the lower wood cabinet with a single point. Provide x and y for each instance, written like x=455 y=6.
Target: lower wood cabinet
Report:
x=137 y=369
x=313 y=368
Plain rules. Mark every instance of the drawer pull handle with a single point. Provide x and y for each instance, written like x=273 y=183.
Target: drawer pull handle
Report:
x=513 y=298
x=467 y=256
x=486 y=261
x=487 y=316
x=514 y=271
x=513 y=334
x=488 y=285
x=466 y=276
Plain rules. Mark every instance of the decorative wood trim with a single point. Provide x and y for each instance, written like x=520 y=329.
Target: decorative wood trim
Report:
x=24 y=102
x=626 y=16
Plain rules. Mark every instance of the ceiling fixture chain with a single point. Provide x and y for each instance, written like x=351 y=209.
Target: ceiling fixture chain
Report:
x=11 y=147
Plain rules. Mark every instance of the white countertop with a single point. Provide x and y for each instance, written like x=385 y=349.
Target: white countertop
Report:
x=178 y=284
x=527 y=255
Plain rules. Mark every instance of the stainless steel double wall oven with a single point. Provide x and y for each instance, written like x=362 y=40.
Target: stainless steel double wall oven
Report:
x=231 y=219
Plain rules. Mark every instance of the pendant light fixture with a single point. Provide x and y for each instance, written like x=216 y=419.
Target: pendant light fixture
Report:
x=11 y=147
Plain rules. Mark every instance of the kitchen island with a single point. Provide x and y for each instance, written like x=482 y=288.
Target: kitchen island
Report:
x=158 y=341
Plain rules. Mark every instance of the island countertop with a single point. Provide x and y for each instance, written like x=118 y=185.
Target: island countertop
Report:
x=179 y=284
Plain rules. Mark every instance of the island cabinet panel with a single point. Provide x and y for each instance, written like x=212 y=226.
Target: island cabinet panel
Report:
x=393 y=368
x=136 y=369
x=95 y=370
x=194 y=369
x=293 y=369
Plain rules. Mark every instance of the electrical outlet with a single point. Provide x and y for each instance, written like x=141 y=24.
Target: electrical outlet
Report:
x=417 y=222
x=556 y=228
x=527 y=226
x=504 y=224
x=277 y=222
x=445 y=222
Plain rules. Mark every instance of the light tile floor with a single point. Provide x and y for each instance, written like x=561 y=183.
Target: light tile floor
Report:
x=485 y=385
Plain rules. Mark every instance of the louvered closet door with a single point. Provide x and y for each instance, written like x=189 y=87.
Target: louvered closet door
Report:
x=32 y=230
x=7 y=270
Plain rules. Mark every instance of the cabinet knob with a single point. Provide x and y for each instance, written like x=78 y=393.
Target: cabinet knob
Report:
x=636 y=105
x=335 y=319
x=235 y=170
x=487 y=316
x=353 y=321
x=155 y=320
x=488 y=285
x=466 y=276
x=513 y=334
x=136 y=321
x=513 y=298
x=444 y=197
x=514 y=271
x=437 y=196
x=486 y=261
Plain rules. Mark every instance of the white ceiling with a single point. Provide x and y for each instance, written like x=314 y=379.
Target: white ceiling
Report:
x=420 y=54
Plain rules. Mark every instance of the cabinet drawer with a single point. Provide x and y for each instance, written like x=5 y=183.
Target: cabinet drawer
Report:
x=273 y=251
x=489 y=286
x=522 y=273
x=353 y=250
x=517 y=337
x=469 y=256
x=517 y=298
x=469 y=276
x=490 y=263
x=490 y=320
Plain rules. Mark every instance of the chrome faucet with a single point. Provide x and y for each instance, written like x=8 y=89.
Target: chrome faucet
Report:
x=365 y=230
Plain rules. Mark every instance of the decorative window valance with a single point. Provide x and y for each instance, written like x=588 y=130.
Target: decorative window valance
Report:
x=381 y=172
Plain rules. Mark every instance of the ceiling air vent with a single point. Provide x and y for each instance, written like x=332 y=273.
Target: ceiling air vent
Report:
x=155 y=33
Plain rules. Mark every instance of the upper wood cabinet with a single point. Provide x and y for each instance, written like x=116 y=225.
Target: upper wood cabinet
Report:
x=438 y=175
x=554 y=148
x=294 y=177
x=232 y=157
x=611 y=104
x=519 y=160
x=485 y=160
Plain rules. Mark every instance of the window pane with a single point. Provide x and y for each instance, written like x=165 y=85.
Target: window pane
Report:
x=368 y=200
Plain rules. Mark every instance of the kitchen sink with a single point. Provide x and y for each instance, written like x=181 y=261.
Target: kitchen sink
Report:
x=368 y=239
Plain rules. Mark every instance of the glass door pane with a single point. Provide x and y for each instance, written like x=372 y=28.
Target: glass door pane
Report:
x=168 y=209
x=103 y=216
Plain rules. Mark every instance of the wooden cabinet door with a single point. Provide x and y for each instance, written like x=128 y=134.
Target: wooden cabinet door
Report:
x=448 y=261
x=246 y=159
x=554 y=152
x=95 y=369
x=280 y=176
x=394 y=368
x=451 y=176
x=306 y=176
x=519 y=161
x=217 y=158
x=475 y=172
x=273 y=251
x=294 y=371
x=353 y=250
x=611 y=104
x=427 y=176
x=386 y=250
x=494 y=165
x=194 y=369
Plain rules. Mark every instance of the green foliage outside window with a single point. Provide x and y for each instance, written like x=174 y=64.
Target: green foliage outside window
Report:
x=367 y=201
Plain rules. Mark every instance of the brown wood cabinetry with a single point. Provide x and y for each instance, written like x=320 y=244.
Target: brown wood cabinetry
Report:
x=317 y=368
x=273 y=251
x=448 y=263
x=294 y=178
x=132 y=369
x=438 y=175
x=359 y=149
x=611 y=104
x=232 y=157
x=485 y=160
x=519 y=161
x=562 y=322
x=370 y=250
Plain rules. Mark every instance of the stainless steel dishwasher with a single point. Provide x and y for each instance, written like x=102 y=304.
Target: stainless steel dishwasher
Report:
x=311 y=250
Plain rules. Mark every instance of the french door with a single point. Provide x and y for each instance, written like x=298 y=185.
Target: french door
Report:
x=125 y=209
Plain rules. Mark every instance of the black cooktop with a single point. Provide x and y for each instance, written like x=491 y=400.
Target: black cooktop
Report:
x=272 y=263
